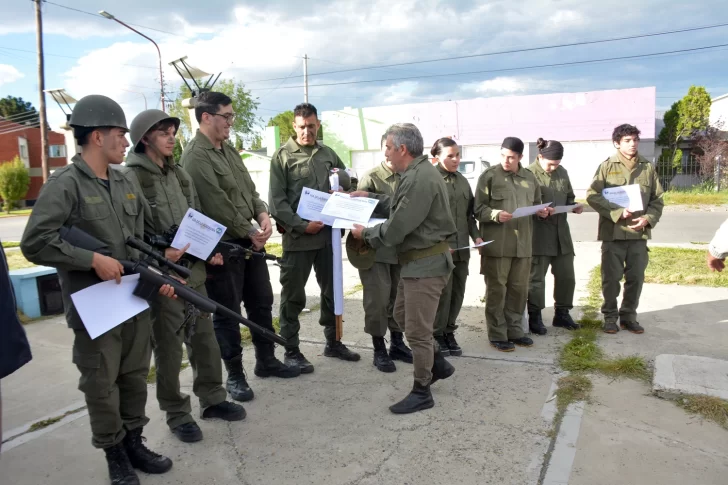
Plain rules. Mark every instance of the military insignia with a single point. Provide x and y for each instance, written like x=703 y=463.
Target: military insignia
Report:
x=131 y=196
x=93 y=199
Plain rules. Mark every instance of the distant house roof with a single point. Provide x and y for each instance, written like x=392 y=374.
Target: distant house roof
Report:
x=719 y=98
x=262 y=153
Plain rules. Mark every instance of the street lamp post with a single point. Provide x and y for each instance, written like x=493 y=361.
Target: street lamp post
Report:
x=106 y=14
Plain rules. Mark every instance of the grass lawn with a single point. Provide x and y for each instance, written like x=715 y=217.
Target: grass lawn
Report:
x=695 y=197
x=11 y=244
x=13 y=213
x=682 y=266
x=274 y=249
x=17 y=261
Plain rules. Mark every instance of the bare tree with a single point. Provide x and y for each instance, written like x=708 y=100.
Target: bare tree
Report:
x=711 y=152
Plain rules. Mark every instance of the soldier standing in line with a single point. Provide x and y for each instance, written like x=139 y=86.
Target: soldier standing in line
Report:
x=169 y=192
x=379 y=273
x=552 y=244
x=624 y=234
x=102 y=202
x=303 y=162
x=227 y=195
x=419 y=226
x=506 y=262
x=447 y=156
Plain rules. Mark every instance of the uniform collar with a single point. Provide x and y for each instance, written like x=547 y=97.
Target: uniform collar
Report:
x=417 y=161
x=81 y=164
x=446 y=172
x=142 y=160
x=385 y=171
x=205 y=142
x=521 y=170
x=293 y=147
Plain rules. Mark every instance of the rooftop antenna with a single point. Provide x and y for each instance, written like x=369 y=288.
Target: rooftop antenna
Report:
x=61 y=96
x=188 y=72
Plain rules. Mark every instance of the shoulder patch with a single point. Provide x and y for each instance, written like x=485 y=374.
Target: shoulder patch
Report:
x=131 y=196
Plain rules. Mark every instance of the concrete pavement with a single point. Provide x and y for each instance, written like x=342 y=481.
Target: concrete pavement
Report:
x=490 y=423
x=11 y=228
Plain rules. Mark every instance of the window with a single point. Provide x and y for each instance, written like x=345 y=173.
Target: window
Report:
x=466 y=167
x=57 y=151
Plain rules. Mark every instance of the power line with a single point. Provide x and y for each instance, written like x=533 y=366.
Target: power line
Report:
x=17 y=116
x=512 y=51
x=541 y=66
x=101 y=16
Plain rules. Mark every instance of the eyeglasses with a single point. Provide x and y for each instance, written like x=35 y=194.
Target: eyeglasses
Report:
x=230 y=117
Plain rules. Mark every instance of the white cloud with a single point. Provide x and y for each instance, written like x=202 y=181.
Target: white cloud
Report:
x=451 y=44
x=9 y=74
x=563 y=19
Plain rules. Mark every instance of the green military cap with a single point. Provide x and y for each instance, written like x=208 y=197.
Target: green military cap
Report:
x=144 y=121
x=360 y=255
x=97 y=111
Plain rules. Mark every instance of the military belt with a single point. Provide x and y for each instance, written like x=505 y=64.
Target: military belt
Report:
x=415 y=254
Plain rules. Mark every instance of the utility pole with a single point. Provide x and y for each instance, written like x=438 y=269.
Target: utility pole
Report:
x=41 y=88
x=305 y=78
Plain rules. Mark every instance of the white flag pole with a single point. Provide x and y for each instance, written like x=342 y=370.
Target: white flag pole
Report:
x=338 y=269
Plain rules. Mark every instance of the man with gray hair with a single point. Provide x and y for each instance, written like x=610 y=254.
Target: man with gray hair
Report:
x=419 y=226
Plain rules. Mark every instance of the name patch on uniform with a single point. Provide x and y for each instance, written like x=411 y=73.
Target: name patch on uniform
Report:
x=93 y=199
x=614 y=173
x=130 y=196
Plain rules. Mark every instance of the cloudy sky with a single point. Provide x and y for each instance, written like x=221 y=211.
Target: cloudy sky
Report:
x=262 y=42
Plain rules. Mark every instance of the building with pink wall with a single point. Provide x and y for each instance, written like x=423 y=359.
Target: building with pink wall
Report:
x=582 y=121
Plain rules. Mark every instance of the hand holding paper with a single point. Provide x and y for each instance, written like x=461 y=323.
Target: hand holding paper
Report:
x=199 y=232
x=529 y=211
x=562 y=209
x=627 y=196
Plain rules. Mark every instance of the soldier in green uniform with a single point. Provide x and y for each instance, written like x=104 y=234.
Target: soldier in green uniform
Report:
x=380 y=277
x=506 y=262
x=419 y=226
x=102 y=202
x=227 y=195
x=446 y=154
x=300 y=163
x=552 y=244
x=623 y=233
x=169 y=191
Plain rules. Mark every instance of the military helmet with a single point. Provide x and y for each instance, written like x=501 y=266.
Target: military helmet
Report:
x=141 y=124
x=359 y=254
x=96 y=111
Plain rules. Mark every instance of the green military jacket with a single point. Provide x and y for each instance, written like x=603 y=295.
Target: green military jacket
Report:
x=419 y=220
x=381 y=180
x=226 y=190
x=74 y=196
x=291 y=169
x=169 y=192
x=462 y=202
x=613 y=173
x=498 y=191
x=551 y=236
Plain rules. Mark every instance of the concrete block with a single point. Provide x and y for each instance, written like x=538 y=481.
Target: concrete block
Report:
x=688 y=374
x=25 y=287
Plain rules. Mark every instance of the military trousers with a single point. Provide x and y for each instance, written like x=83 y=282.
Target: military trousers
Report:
x=506 y=292
x=114 y=369
x=562 y=267
x=380 y=284
x=414 y=310
x=203 y=351
x=295 y=270
x=451 y=300
x=245 y=281
x=626 y=259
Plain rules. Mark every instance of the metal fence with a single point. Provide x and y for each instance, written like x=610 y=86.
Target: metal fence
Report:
x=683 y=173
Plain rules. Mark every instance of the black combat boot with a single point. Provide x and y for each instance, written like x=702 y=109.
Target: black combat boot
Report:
x=398 y=350
x=563 y=319
x=382 y=361
x=441 y=368
x=226 y=410
x=188 y=432
x=236 y=385
x=266 y=364
x=444 y=349
x=120 y=470
x=294 y=358
x=535 y=323
x=141 y=457
x=418 y=399
x=334 y=348
x=452 y=345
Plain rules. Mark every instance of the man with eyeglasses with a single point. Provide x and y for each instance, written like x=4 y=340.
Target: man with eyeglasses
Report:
x=227 y=195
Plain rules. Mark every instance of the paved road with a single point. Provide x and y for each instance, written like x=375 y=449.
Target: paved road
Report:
x=11 y=228
x=674 y=227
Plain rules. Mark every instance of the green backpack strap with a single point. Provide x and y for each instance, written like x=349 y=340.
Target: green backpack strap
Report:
x=146 y=180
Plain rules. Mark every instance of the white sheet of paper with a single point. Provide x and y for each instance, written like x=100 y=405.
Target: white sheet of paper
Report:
x=201 y=232
x=528 y=211
x=343 y=206
x=627 y=196
x=310 y=206
x=105 y=305
x=347 y=224
x=561 y=209
x=474 y=245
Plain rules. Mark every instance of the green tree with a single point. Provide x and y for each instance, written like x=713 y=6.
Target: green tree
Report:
x=244 y=106
x=14 y=182
x=19 y=111
x=177 y=149
x=257 y=143
x=685 y=119
x=238 y=143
